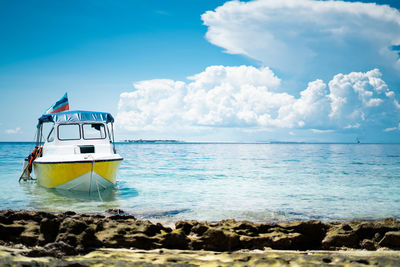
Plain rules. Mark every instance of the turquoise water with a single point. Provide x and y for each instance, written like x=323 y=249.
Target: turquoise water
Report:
x=258 y=182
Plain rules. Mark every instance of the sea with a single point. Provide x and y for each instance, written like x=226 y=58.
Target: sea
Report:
x=215 y=181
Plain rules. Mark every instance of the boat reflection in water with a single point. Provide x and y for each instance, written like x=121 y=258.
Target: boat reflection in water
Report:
x=55 y=200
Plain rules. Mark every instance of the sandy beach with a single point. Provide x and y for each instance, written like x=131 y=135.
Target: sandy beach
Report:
x=116 y=238
x=168 y=257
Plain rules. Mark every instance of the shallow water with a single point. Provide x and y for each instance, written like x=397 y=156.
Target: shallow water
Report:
x=258 y=182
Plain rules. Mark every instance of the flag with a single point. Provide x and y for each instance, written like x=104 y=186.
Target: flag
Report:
x=60 y=105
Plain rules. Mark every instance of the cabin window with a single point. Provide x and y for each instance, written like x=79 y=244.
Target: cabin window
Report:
x=69 y=132
x=94 y=131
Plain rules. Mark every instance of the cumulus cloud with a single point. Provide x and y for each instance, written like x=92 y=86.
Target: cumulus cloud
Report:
x=253 y=98
x=219 y=96
x=299 y=38
x=295 y=35
x=358 y=97
x=13 y=131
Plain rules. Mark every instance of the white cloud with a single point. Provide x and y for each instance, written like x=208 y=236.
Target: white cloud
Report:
x=321 y=131
x=219 y=96
x=304 y=35
x=392 y=129
x=154 y=104
x=13 y=131
x=249 y=98
x=353 y=126
x=357 y=97
x=396 y=104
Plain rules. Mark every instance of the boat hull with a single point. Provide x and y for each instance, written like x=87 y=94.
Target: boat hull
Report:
x=83 y=176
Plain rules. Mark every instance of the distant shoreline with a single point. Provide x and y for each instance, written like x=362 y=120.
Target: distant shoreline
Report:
x=147 y=141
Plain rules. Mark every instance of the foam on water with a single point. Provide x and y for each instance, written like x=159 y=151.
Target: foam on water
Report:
x=258 y=182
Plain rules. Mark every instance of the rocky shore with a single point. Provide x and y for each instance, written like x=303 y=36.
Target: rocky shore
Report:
x=65 y=237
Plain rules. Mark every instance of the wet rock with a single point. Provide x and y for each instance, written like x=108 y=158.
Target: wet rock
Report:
x=376 y=230
x=263 y=228
x=128 y=233
x=200 y=228
x=278 y=240
x=74 y=226
x=30 y=234
x=10 y=232
x=85 y=232
x=41 y=252
x=78 y=233
x=313 y=232
x=68 y=213
x=366 y=230
x=174 y=240
x=289 y=241
x=145 y=227
x=98 y=216
x=115 y=211
x=61 y=247
x=49 y=229
x=22 y=232
x=88 y=239
x=377 y=237
x=122 y=217
x=219 y=240
x=25 y=215
x=391 y=223
x=245 y=228
x=57 y=250
x=340 y=236
x=387 y=225
x=261 y=242
x=5 y=216
x=368 y=244
x=162 y=228
x=346 y=227
x=391 y=240
x=141 y=241
x=149 y=228
x=70 y=239
x=99 y=226
x=186 y=226
x=138 y=240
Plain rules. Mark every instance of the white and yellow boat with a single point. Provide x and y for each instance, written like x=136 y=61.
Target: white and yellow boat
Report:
x=78 y=152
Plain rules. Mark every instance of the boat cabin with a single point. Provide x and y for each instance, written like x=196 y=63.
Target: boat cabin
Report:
x=77 y=132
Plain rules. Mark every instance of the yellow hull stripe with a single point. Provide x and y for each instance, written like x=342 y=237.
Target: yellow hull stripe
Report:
x=54 y=174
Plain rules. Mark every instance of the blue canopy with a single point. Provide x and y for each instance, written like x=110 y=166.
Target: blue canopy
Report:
x=76 y=116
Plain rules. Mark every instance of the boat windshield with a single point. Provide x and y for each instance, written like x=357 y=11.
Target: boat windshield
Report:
x=69 y=132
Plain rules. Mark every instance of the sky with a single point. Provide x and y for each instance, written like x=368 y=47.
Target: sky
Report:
x=247 y=71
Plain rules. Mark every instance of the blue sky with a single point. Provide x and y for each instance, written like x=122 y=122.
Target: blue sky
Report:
x=97 y=50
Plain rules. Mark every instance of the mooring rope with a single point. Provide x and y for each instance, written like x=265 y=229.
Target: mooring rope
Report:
x=91 y=176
